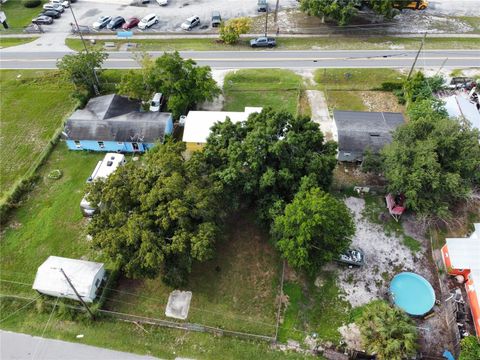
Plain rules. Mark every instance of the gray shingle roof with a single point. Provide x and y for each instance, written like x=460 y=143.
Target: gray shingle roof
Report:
x=116 y=118
x=358 y=130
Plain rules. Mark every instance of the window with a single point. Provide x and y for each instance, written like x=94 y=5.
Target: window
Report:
x=135 y=146
x=97 y=282
x=120 y=143
x=78 y=145
x=101 y=145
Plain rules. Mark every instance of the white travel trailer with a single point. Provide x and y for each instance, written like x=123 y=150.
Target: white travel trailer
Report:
x=85 y=276
x=104 y=168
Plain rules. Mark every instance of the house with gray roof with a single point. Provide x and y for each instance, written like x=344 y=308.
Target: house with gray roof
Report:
x=114 y=123
x=360 y=130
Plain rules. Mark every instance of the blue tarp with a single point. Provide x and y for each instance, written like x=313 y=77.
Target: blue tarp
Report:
x=448 y=355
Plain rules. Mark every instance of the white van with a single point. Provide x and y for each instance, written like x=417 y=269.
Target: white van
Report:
x=104 y=169
x=64 y=3
x=148 y=21
x=157 y=102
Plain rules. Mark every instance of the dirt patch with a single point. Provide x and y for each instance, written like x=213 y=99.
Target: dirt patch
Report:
x=320 y=114
x=381 y=101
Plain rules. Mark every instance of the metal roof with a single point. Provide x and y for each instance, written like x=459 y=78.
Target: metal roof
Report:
x=464 y=253
x=199 y=123
x=459 y=107
x=359 y=130
x=116 y=118
x=80 y=272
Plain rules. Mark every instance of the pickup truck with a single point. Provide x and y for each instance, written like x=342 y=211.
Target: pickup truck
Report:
x=263 y=41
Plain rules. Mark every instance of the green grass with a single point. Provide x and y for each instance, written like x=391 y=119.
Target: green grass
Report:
x=345 y=100
x=275 y=88
x=355 y=79
x=286 y=43
x=314 y=310
x=376 y=212
x=413 y=244
x=48 y=222
x=18 y=16
x=34 y=104
x=7 y=42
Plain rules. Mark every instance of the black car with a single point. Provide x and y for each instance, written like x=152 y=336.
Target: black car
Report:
x=42 y=20
x=51 y=13
x=116 y=22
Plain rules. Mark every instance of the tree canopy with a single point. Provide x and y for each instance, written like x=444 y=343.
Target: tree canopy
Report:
x=387 y=331
x=231 y=30
x=263 y=160
x=182 y=82
x=82 y=69
x=158 y=214
x=470 y=348
x=314 y=229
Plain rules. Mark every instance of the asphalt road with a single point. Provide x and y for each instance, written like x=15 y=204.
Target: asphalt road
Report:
x=268 y=59
x=15 y=346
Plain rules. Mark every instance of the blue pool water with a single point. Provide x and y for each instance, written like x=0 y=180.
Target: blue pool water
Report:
x=412 y=293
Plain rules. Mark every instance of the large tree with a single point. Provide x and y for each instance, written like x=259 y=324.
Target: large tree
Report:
x=181 y=81
x=387 y=332
x=231 y=30
x=314 y=229
x=264 y=159
x=83 y=69
x=433 y=160
x=158 y=214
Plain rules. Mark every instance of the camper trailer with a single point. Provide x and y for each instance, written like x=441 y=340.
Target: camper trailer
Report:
x=104 y=168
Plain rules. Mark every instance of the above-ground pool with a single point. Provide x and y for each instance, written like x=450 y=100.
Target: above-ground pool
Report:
x=412 y=293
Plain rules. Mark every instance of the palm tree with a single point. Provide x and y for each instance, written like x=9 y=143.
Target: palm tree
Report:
x=387 y=331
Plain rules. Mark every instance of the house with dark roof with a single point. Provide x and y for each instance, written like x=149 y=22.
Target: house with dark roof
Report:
x=361 y=130
x=114 y=123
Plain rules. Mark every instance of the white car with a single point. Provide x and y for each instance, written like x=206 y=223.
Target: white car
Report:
x=56 y=7
x=162 y=2
x=190 y=23
x=64 y=3
x=148 y=21
x=101 y=22
x=157 y=102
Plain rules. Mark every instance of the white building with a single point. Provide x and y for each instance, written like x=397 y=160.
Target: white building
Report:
x=198 y=124
x=86 y=277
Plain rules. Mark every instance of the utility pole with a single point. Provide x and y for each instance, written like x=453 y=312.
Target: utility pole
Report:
x=97 y=85
x=78 y=295
x=276 y=11
x=416 y=57
x=266 y=20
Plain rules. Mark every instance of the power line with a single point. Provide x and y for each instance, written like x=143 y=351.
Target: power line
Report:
x=44 y=329
x=5 y=318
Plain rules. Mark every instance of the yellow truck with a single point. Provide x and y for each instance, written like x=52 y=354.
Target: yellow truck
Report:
x=413 y=5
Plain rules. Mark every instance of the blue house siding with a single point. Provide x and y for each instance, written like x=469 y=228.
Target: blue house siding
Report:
x=108 y=146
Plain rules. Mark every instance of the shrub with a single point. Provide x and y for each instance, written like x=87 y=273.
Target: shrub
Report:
x=32 y=3
x=55 y=174
x=231 y=30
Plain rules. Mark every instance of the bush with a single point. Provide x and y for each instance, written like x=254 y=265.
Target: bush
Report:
x=55 y=174
x=391 y=86
x=32 y=3
x=231 y=30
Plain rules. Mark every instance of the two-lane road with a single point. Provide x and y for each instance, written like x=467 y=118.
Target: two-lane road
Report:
x=268 y=59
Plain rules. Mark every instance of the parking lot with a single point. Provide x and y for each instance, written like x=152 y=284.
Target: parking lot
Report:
x=170 y=16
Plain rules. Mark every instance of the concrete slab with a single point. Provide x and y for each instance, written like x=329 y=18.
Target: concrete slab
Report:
x=178 y=304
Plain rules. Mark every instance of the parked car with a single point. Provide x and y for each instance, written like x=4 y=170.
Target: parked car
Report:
x=352 y=257
x=162 y=2
x=190 y=23
x=216 y=19
x=157 y=102
x=115 y=23
x=51 y=13
x=64 y=3
x=263 y=41
x=42 y=20
x=148 y=21
x=56 y=7
x=262 y=6
x=130 y=23
x=101 y=22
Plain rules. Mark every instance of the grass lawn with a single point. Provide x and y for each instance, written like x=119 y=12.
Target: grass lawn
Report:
x=236 y=290
x=7 y=42
x=356 y=79
x=48 y=222
x=286 y=43
x=18 y=16
x=275 y=88
x=34 y=104
x=313 y=309
x=345 y=100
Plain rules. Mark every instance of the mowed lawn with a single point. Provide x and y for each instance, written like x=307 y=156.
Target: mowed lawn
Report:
x=18 y=16
x=236 y=290
x=275 y=88
x=48 y=222
x=33 y=106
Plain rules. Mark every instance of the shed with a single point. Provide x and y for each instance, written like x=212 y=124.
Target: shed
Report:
x=86 y=277
x=115 y=123
x=360 y=130
x=460 y=107
x=199 y=123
